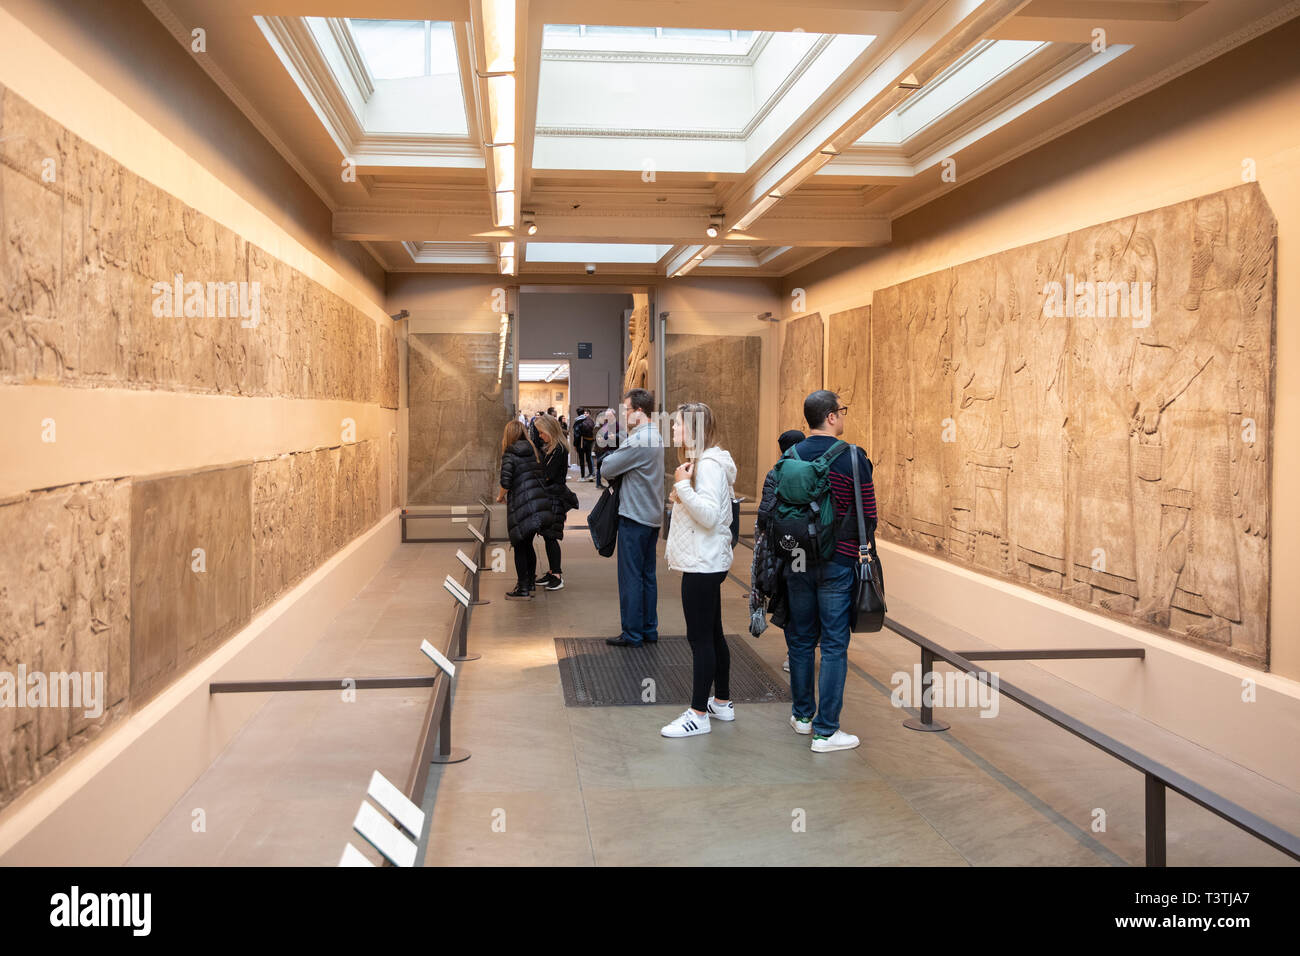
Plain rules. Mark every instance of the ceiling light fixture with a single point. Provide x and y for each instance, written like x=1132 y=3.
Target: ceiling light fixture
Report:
x=715 y=226
x=530 y=224
x=829 y=150
x=909 y=82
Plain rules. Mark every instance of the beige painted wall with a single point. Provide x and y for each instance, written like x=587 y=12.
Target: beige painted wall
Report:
x=1182 y=140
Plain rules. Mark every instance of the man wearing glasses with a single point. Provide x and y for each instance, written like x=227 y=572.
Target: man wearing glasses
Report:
x=821 y=595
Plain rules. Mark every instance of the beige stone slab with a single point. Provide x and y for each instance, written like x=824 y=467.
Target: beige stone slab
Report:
x=800 y=369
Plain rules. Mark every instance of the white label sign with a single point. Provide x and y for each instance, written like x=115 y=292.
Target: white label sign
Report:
x=383 y=836
x=466 y=560
x=384 y=793
x=438 y=658
x=459 y=510
x=353 y=857
x=477 y=533
x=456 y=590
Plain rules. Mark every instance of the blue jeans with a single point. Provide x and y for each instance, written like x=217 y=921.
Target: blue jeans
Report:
x=819 y=609
x=638 y=592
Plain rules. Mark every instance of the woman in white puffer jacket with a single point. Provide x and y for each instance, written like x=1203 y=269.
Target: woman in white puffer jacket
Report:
x=699 y=546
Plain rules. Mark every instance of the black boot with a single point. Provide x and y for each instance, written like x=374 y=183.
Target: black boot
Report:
x=522 y=592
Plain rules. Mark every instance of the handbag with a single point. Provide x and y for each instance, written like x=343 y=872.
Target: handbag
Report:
x=867 y=613
x=603 y=520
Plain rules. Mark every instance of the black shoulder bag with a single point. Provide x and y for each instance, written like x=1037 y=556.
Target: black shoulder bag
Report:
x=867 y=614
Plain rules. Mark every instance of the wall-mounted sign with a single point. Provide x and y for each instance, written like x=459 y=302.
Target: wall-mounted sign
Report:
x=584 y=350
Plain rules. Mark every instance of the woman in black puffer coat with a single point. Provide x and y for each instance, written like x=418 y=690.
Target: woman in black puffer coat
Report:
x=554 y=452
x=528 y=503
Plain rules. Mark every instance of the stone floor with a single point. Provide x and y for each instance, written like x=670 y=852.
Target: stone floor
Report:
x=551 y=785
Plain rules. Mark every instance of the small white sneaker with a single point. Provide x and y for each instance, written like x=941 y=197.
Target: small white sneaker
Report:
x=725 y=711
x=687 y=725
x=801 y=725
x=836 y=741
x=786 y=665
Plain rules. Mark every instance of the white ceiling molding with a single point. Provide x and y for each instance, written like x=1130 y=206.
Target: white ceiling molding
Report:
x=341 y=30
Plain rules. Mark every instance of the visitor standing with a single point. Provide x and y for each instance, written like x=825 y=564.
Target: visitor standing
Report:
x=555 y=470
x=639 y=461
x=699 y=546
x=529 y=511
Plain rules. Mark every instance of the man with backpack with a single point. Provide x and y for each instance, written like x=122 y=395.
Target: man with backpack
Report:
x=813 y=528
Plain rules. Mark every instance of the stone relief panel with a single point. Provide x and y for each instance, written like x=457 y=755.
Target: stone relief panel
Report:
x=801 y=369
x=105 y=279
x=191 y=570
x=457 y=416
x=848 y=370
x=65 y=608
x=394 y=472
x=722 y=371
x=1092 y=415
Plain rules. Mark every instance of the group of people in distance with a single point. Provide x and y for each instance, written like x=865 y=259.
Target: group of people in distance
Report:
x=809 y=598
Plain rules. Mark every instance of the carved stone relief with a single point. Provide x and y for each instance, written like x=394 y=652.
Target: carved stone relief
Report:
x=848 y=370
x=457 y=416
x=637 y=373
x=801 y=370
x=722 y=371
x=83 y=259
x=65 y=607
x=1092 y=415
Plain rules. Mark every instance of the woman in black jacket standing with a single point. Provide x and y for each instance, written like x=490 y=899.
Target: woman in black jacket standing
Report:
x=555 y=469
x=529 y=511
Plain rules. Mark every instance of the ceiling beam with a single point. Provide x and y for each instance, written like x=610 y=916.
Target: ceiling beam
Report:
x=812 y=228
x=929 y=42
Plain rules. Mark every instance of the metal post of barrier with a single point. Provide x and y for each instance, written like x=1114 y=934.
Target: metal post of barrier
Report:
x=927 y=721
x=1155 y=821
x=446 y=752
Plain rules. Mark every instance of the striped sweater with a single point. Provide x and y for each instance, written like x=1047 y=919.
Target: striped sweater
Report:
x=841 y=478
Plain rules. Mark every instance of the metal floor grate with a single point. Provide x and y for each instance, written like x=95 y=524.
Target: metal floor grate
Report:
x=595 y=674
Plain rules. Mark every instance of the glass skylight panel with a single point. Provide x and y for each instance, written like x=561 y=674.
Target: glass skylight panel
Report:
x=946 y=92
x=594 y=252
x=593 y=38
x=401 y=49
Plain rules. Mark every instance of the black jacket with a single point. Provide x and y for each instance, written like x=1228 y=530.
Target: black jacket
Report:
x=528 y=501
x=555 y=471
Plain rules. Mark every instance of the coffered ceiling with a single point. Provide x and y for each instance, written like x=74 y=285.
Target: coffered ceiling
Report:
x=535 y=137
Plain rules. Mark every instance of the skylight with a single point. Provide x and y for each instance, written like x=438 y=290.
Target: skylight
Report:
x=663 y=40
x=401 y=49
x=984 y=65
x=594 y=252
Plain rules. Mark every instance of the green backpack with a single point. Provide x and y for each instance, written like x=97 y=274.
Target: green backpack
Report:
x=804 y=517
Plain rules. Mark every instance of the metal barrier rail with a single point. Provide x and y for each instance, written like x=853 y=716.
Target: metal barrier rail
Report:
x=1158 y=777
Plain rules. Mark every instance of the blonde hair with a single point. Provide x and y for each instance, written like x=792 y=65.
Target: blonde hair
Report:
x=549 y=427
x=695 y=440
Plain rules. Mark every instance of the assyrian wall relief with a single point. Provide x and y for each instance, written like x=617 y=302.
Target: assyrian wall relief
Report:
x=105 y=279
x=135 y=579
x=722 y=371
x=801 y=369
x=455 y=390
x=1091 y=415
x=848 y=370
x=65 y=608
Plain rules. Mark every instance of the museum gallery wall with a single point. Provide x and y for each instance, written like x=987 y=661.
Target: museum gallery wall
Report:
x=1111 y=447
x=138 y=576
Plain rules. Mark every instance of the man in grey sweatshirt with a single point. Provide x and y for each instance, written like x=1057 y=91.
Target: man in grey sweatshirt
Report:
x=640 y=462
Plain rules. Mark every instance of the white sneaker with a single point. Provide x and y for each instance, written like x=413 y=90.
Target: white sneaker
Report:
x=836 y=741
x=785 y=666
x=687 y=725
x=725 y=711
x=801 y=725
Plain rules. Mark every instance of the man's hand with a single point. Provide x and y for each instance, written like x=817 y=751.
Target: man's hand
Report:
x=501 y=494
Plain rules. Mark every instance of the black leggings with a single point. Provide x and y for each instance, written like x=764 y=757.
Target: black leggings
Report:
x=702 y=605
x=526 y=561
